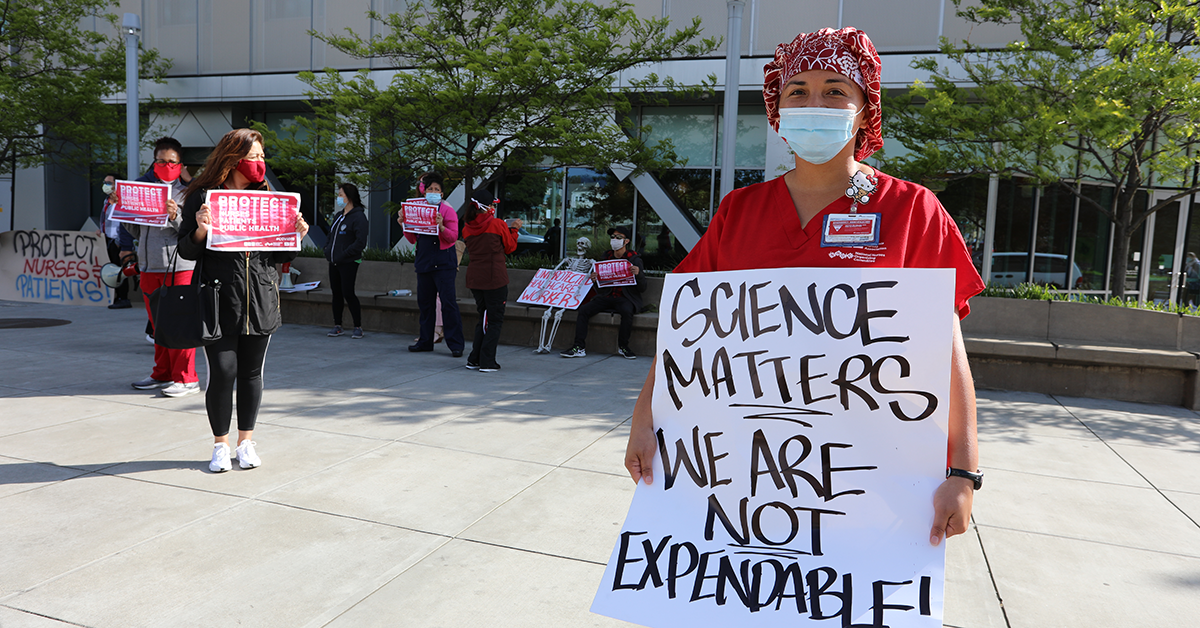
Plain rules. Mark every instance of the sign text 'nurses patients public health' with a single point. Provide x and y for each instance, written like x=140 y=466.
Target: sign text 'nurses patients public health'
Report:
x=244 y=220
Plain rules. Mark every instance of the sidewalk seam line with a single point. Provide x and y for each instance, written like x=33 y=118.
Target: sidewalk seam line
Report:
x=1122 y=458
x=991 y=574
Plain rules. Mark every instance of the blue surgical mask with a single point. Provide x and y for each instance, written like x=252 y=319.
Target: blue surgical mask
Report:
x=817 y=134
x=339 y=203
x=433 y=198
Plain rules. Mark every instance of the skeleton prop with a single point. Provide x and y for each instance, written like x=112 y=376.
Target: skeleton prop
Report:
x=579 y=264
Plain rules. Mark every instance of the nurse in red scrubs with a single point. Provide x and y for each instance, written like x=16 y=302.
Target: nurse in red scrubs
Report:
x=822 y=94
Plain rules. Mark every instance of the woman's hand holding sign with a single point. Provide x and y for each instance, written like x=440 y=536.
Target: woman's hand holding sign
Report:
x=301 y=225
x=203 y=224
x=639 y=453
x=953 y=499
x=172 y=209
x=951 y=508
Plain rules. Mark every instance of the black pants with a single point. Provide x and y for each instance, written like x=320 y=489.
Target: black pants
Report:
x=341 y=280
x=490 y=305
x=235 y=359
x=121 y=292
x=604 y=304
x=430 y=286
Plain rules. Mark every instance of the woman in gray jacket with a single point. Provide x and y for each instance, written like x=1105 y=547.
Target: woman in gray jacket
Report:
x=174 y=369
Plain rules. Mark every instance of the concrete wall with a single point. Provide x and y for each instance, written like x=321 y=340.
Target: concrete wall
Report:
x=1063 y=322
x=1085 y=350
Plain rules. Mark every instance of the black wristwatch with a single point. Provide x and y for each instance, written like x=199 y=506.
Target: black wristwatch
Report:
x=977 y=478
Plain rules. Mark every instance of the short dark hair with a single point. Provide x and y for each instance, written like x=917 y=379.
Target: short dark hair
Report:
x=113 y=175
x=168 y=142
x=429 y=178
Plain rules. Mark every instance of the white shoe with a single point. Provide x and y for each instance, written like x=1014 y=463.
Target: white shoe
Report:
x=247 y=457
x=180 y=389
x=220 y=459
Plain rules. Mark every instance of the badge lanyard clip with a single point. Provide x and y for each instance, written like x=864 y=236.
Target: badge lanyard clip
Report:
x=862 y=186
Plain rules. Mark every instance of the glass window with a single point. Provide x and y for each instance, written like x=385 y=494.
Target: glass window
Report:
x=1091 y=239
x=595 y=201
x=1162 y=263
x=225 y=45
x=1014 y=212
x=280 y=35
x=1191 y=284
x=692 y=190
x=751 y=149
x=170 y=27
x=335 y=17
x=284 y=9
x=1055 y=210
x=966 y=202
x=690 y=129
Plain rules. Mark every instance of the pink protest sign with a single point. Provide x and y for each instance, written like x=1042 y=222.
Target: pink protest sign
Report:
x=245 y=220
x=420 y=217
x=556 y=288
x=142 y=203
x=614 y=272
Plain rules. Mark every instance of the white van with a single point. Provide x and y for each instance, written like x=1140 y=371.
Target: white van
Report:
x=1010 y=269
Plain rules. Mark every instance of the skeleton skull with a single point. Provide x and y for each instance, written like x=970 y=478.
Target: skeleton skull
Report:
x=582 y=245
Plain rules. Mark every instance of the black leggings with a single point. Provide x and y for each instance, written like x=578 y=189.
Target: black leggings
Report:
x=233 y=359
x=341 y=280
x=490 y=305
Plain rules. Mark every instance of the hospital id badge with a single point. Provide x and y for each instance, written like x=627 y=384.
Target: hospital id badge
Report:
x=850 y=230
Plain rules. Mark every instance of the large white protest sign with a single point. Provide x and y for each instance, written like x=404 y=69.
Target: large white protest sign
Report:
x=53 y=267
x=556 y=288
x=801 y=418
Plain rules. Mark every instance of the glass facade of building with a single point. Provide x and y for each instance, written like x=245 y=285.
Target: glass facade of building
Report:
x=235 y=61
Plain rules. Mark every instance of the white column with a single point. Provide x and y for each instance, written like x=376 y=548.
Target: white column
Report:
x=733 y=62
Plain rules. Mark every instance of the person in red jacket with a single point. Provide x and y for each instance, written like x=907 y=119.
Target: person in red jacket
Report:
x=488 y=240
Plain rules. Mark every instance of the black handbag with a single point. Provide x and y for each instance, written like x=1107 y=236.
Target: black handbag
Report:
x=186 y=316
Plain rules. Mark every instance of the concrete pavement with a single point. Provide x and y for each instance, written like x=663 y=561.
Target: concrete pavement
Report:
x=400 y=489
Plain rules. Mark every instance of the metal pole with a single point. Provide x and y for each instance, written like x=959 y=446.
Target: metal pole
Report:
x=733 y=63
x=132 y=25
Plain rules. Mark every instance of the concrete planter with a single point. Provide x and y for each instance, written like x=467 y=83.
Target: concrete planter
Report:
x=522 y=325
x=1084 y=349
x=1081 y=323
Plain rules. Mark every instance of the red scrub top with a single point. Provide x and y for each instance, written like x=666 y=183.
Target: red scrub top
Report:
x=758 y=227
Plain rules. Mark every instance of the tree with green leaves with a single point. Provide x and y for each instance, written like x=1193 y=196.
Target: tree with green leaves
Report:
x=1095 y=91
x=485 y=88
x=54 y=76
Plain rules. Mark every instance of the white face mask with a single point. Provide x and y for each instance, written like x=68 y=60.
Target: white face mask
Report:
x=817 y=134
x=107 y=187
x=433 y=198
x=617 y=243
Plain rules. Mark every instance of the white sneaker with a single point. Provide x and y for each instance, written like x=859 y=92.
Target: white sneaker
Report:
x=247 y=457
x=180 y=389
x=220 y=459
